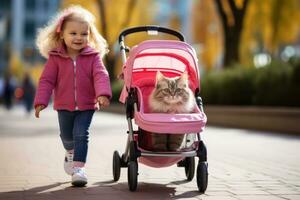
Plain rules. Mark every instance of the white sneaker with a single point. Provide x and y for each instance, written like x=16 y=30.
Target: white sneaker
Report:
x=68 y=163
x=79 y=177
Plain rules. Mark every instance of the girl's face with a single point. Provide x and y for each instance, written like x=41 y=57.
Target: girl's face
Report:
x=75 y=35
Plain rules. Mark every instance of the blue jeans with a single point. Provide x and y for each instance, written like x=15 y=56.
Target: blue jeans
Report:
x=74 y=133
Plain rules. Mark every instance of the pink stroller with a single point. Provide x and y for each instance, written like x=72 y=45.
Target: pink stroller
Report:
x=172 y=58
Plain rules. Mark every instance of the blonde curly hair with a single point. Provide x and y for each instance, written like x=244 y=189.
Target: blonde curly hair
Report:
x=48 y=37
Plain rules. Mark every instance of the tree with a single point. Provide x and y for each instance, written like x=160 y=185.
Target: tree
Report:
x=269 y=26
x=112 y=58
x=207 y=34
x=232 y=15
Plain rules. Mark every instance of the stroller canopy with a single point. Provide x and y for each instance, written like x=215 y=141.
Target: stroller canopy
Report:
x=170 y=57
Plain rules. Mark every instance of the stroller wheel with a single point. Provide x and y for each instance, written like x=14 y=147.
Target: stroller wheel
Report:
x=116 y=165
x=202 y=176
x=132 y=175
x=189 y=168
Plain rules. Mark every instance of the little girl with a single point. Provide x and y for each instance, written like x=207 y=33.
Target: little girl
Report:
x=74 y=70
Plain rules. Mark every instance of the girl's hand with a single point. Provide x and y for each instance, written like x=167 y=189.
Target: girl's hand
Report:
x=103 y=101
x=38 y=109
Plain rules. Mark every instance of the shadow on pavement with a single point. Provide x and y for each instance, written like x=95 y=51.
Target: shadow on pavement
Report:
x=101 y=190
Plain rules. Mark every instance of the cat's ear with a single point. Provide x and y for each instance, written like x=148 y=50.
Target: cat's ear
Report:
x=159 y=76
x=184 y=75
x=184 y=78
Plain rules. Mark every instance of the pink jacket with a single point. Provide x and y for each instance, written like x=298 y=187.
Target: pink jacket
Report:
x=76 y=84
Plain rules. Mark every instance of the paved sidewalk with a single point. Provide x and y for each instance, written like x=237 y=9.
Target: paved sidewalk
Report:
x=243 y=165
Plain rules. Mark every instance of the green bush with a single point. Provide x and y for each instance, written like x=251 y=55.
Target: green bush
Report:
x=116 y=90
x=294 y=94
x=272 y=85
x=229 y=87
x=277 y=84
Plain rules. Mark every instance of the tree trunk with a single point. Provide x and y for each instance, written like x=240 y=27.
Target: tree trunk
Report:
x=231 y=47
x=232 y=33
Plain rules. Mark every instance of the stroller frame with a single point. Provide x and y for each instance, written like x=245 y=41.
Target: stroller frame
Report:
x=132 y=152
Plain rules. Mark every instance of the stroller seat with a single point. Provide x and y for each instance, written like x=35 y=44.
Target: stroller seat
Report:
x=165 y=122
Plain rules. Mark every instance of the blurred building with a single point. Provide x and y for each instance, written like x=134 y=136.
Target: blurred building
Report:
x=19 y=21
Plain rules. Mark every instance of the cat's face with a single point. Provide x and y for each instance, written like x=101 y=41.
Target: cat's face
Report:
x=171 y=90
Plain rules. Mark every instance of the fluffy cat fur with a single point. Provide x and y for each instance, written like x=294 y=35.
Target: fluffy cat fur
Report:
x=170 y=95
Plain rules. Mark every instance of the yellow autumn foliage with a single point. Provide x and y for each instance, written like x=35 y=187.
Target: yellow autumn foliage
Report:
x=207 y=33
x=269 y=25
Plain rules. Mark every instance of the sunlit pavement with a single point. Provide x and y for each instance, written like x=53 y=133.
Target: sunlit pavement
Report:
x=242 y=164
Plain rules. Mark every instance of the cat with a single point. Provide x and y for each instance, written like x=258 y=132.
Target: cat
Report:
x=170 y=95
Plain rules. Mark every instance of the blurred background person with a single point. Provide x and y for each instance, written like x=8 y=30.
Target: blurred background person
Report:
x=1 y=89
x=28 y=92
x=8 y=90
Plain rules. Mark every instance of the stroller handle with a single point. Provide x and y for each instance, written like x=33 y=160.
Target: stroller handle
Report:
x=150 y=28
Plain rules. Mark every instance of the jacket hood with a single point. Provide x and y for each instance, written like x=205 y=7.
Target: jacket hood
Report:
x=61 y=51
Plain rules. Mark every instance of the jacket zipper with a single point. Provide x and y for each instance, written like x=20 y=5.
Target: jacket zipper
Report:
x=75 y=85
